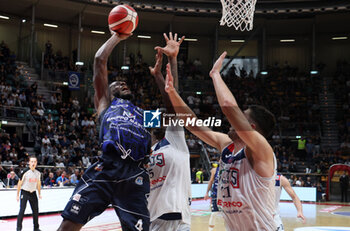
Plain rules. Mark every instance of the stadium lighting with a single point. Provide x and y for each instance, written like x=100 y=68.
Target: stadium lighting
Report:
x=65 y=83
x=23 y=20
x=340 y=38
x=97 y=32
x=144 y=36
x=190 y=40
x=198 y=92
x=313 y=72
x=50 y=25
x=298 y=137
x=237 y=41
x=4 y=122
x=125 y=67
x=287 y=40
x=79 y=63
x=263 y=72
x=4 y=17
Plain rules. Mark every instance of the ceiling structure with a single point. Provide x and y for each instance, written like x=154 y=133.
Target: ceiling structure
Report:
x=185 y=16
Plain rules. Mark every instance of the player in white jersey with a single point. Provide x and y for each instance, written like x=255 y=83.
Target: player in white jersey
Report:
x=246 y=184
x=169 y=168
x=282 y=182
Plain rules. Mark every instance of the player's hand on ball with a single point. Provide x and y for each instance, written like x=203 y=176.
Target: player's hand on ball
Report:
x=169 y=80
x=158 y=66
x=172 y=45
x=123 y=36
x=217 y=65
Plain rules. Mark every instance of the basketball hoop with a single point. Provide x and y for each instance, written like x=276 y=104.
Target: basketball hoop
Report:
x=238 y=13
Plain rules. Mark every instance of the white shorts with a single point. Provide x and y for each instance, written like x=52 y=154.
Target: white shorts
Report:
x=164 y=225
x=278 y=222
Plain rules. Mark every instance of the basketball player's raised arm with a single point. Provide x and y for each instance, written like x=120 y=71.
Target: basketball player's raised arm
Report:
x=170 y=50
x=262 y=152
x=214 y=139
x=297 y=203
x=102 y=94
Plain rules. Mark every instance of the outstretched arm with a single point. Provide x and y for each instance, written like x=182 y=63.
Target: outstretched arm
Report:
x=171 y=50
x=262 y=152
x=215 y=139
x=102 y=93
x=286 y=185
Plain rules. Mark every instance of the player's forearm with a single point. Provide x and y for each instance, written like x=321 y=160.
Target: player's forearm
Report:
x=180 y=106
x=298 y=205
x=229 y=106
x=19 y=187
x=159 y=78
x=106 y=49
x=174 y=71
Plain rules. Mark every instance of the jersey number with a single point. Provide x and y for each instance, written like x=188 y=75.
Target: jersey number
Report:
x=234 y=177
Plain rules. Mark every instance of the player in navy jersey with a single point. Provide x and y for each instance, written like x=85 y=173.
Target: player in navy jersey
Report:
x=213 y=187
x=119 y=177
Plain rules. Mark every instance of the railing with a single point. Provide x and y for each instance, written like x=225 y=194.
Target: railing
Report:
x=19 y=115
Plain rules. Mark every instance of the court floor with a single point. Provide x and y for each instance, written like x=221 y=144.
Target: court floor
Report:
x=320 y=217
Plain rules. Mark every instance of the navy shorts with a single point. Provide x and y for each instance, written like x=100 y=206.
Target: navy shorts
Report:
x=122 y=183
x=214 y=204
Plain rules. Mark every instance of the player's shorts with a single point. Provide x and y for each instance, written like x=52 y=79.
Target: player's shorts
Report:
x=169 y=225
x=122 y=183
x=278 y=222
x=214 y=205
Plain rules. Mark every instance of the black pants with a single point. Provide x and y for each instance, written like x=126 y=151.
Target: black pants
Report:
x=33 y=201
x=344 y=194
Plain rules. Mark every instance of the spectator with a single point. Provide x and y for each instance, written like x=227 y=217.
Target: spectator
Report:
x=199 y=176
x=344 y=185
x=12 y=180
x=62 y=180
x=74 y=178
x=50 y=180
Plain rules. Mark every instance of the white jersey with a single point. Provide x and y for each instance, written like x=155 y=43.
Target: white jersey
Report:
x=278 y=191
x=170 y=179
x=246 y=199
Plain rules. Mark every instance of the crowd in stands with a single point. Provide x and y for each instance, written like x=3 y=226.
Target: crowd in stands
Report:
x=67 y=138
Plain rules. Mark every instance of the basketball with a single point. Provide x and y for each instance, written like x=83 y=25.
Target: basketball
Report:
x=123 y=19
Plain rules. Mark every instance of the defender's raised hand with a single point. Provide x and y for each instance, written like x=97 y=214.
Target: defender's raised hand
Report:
x=217 y=65
x=156 y=70
x=172 y=45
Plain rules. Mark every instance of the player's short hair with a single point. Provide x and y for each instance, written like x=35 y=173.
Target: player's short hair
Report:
x=263 y=118
x=32 y=156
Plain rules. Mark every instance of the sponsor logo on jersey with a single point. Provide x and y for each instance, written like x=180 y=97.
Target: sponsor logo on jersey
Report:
x=151 y=118
x=75 y=208
x=76 y=197
x=139 y=180
x=160 y=179
x=157 y=159
x=229 y=204
x=33 y=180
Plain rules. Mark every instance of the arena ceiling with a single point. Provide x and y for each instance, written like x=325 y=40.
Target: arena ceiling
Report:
x=180 y=13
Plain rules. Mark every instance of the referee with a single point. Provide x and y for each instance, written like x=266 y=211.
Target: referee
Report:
x=28 y=184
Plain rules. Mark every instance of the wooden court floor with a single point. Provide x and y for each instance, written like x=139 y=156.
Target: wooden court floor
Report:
x=327 y=214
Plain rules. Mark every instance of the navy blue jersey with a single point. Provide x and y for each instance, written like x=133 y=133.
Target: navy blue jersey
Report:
x=214 y=189
x=122 y=130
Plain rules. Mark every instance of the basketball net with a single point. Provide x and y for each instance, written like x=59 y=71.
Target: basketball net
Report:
x=238 y=13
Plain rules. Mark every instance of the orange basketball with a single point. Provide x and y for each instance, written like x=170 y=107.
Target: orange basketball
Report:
x=123 y=19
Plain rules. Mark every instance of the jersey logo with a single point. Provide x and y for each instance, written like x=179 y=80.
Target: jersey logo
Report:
x=75 y=208
x=139 y=180
x=157 y=159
